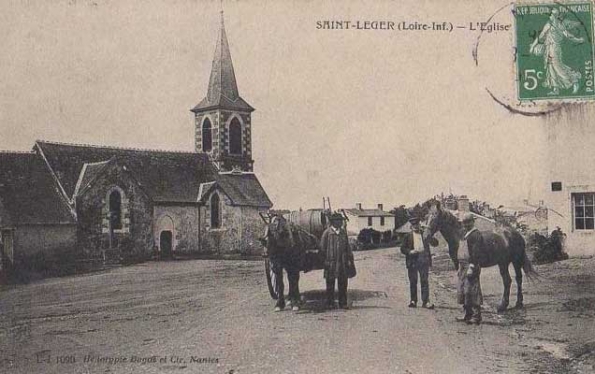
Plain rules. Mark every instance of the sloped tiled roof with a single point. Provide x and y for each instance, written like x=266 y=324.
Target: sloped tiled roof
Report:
x=28 y=192
x=368 y=213
x=166 y=176
x=223 y=90
x=5 y=216
x=243 y=189
x=88 y=173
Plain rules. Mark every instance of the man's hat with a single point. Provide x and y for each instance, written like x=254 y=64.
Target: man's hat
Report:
x=336 y=217
x=468 y=217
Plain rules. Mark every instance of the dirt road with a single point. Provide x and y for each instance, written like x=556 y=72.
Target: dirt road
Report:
x=216 y=317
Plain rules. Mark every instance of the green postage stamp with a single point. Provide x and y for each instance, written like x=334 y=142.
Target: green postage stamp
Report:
x=555 y=50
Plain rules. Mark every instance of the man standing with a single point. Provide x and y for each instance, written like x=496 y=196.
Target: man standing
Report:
x=334 y=245
x=469 y=287
x=418 y=260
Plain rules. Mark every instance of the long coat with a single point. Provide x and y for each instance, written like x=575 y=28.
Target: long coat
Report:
x=469 y=286
x=416 y=260
x=337 y=253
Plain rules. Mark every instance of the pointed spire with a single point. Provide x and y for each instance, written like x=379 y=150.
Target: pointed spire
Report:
x=223 y=89
x=223 y=79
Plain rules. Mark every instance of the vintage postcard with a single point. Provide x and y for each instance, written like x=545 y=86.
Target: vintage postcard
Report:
x=254 y=186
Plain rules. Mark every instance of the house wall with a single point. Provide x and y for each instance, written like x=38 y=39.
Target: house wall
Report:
x=184 y=219
x=135 y=239
x=570 y=159
x=48 y=239
x=356 y=224
x=241 y=226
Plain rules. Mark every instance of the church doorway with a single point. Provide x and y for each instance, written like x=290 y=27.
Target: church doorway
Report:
x=165 y=244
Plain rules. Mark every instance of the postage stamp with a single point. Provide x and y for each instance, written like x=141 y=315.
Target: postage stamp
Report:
x=555 y=50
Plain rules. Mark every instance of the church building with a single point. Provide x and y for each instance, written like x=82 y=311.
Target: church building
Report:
x=100 y=202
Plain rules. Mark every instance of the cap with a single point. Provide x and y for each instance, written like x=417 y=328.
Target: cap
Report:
x=414 y=220
x=468 y=217
x=336 y=217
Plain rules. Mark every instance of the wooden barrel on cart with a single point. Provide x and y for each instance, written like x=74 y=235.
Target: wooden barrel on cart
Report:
x=312 y=220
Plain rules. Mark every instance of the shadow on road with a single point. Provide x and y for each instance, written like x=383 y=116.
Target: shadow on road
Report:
x=315 y=300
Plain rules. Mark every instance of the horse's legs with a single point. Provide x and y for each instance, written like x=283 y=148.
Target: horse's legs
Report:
x=277 y=267
x=507 y=281
x=518 y=269
x=452 y=252
x=293 y=277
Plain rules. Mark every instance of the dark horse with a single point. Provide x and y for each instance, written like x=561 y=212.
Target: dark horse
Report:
x=501 y=248
x=286 y=246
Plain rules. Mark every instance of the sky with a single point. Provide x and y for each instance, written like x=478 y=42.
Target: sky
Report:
x=360 y=116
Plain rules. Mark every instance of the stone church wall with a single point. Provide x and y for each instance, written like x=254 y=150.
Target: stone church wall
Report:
x=240 y=228
x=135 y=240
x=183 y=221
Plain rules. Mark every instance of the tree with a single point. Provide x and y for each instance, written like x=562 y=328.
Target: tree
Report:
x=401 y=215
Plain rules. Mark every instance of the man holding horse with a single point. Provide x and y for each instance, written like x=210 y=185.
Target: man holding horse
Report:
x=469 y=286
x=338 y=257
x=418 y=261
x=484 y=249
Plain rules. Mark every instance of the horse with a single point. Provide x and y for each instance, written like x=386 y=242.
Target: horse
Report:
x=500 y=248
x=286 y=245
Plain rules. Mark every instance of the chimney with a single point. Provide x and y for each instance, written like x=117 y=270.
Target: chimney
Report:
x=541 y=203
x=358 y=206
x=380 y=207
x=463 y=203
x=526 y=201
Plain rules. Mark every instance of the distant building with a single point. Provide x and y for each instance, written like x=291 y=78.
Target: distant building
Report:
x=376 y=219
x=98 y=201
x=571 y=180
x=533 y=216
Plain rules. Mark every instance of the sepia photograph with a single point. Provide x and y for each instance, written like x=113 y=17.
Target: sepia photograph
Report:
x=336 y=186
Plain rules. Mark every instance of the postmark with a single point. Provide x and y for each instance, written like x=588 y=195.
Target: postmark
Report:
x=554 y=45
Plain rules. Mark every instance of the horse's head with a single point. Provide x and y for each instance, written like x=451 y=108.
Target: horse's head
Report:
x=279 y=233
x=440 y=220
x=434 y=221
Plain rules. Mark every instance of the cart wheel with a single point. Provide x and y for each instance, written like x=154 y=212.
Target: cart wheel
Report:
x=271 y=279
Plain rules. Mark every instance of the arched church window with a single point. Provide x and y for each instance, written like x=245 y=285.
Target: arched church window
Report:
x=207 y=136
x=215 y=212
x=115 y=210
x=235 y=137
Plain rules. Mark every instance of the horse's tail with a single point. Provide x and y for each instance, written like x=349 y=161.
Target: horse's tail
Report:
x=518 y=241
x=529 y=270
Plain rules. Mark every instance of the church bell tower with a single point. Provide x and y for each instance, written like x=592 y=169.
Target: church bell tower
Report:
x=222 y=119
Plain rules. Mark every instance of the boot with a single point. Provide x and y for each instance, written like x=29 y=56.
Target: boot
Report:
x=467 y=317
x=477 y=316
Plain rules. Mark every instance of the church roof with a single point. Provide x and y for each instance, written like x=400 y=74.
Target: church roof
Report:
x=223 y=91
x=242 y=189
x=5 y=216
x=166 y=176
x=88 y=173
x=28 y=194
